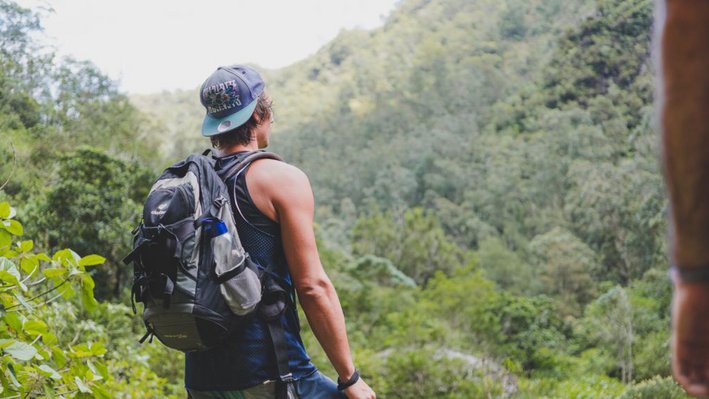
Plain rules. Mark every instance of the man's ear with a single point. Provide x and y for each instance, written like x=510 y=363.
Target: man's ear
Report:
x=256 y=117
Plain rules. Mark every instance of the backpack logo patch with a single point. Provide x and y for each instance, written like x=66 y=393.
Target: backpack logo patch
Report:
x=162 y=208
x=177 y=336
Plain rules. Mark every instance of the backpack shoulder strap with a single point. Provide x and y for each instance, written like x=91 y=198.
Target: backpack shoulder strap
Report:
x=254 y=156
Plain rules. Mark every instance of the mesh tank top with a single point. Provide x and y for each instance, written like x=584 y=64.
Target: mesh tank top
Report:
x=248 y=359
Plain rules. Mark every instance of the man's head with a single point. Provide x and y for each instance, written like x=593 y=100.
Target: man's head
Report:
x=238 y=110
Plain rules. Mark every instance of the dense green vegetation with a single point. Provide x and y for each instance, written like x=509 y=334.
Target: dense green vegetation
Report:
x=490 y=205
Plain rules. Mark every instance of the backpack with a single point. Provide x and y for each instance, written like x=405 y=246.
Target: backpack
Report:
x=196 y=282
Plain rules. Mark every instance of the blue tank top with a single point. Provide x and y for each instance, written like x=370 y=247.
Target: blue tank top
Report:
x=248 y=358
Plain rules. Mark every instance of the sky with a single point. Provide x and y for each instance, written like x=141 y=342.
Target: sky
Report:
x=154 y=45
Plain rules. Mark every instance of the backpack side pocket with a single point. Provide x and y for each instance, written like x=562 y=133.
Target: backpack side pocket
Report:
x=240 y=286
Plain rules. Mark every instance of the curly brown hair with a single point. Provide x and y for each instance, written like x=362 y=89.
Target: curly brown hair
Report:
x=242 y=134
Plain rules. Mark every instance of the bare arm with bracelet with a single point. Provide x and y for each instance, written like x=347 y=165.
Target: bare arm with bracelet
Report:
x=284 y=191
x=684 y=26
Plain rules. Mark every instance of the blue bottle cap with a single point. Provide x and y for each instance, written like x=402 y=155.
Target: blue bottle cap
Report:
x=219 y=228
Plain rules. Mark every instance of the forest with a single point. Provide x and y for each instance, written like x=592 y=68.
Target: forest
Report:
x=489 y=203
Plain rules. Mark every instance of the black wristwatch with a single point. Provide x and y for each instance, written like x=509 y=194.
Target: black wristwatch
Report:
x=341 y=386
x=683 y=274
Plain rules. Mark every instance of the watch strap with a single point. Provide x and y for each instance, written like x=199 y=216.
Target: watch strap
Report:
x=683 y=274
x=341 y=386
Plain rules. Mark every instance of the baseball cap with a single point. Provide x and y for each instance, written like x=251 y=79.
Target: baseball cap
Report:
x=229 y=96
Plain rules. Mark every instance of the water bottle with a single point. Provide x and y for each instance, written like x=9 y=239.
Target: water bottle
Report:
x=225 y=255
x=239 y=285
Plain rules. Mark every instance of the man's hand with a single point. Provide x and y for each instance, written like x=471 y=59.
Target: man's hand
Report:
x=690 y=329
x=360 y=390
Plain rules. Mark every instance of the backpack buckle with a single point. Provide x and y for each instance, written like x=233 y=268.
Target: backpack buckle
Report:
x=132 y=255
x=220 y=201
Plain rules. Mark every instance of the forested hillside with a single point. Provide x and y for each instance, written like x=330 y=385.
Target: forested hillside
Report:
x=489 y=203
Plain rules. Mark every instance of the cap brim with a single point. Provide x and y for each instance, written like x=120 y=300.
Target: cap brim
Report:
x=213 y=126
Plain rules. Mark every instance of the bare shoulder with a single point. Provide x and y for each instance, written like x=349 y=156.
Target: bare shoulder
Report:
x=278 y=179
x=276 y=172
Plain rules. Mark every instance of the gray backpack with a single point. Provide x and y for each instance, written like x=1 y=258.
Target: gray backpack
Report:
x=191 y=273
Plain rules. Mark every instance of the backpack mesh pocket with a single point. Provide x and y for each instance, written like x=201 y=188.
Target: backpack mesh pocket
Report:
x=240 y=286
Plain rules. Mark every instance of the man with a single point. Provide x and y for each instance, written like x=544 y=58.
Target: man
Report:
x=273 y=207
x=683 y=26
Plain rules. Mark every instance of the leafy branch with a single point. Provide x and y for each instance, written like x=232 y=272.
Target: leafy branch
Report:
x=56 y=287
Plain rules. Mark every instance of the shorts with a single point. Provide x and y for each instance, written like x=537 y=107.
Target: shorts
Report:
x=314 y=386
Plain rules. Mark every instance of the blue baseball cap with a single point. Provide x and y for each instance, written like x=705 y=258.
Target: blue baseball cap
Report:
x=229 y=95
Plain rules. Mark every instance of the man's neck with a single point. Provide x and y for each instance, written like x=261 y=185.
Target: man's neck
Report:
x=253 y=146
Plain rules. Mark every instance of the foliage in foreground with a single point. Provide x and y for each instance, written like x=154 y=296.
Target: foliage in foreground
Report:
x=50 y=348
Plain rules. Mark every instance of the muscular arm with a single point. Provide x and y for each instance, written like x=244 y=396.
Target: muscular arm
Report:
x=685 y=126
x=293 y=203
x=282 y=192
x=685 y=134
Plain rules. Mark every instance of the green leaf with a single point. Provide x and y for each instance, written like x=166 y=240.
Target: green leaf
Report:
x=35 y=327
x=10 y=253
x=13 y=320
x=98 y=349
x=50 y=393
x=49 y=372
x=10 y=274
x=67 y=291
x=87 y=282
x=43 y=353
x=6 y=264
x=5 y=240
x=89 y=375
x=81 y=350
x=13 y=227
x=49 y=339
x=59 y=255
x=29 y=264
x=8 y=277
x=43 y=257
x=91 y=367
x=13 y=375
x=87 y=292
x=4 y=383
x=87 y=298
x=26 y=246
x=21 y=351
x=54 y=272
x=4 y=343
x=92 y=260
x=66 y=257
x=5 y=210
x=83 y=388
x=59 y=356
x=6 y=300
x=101 y=369
x=100 y=392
